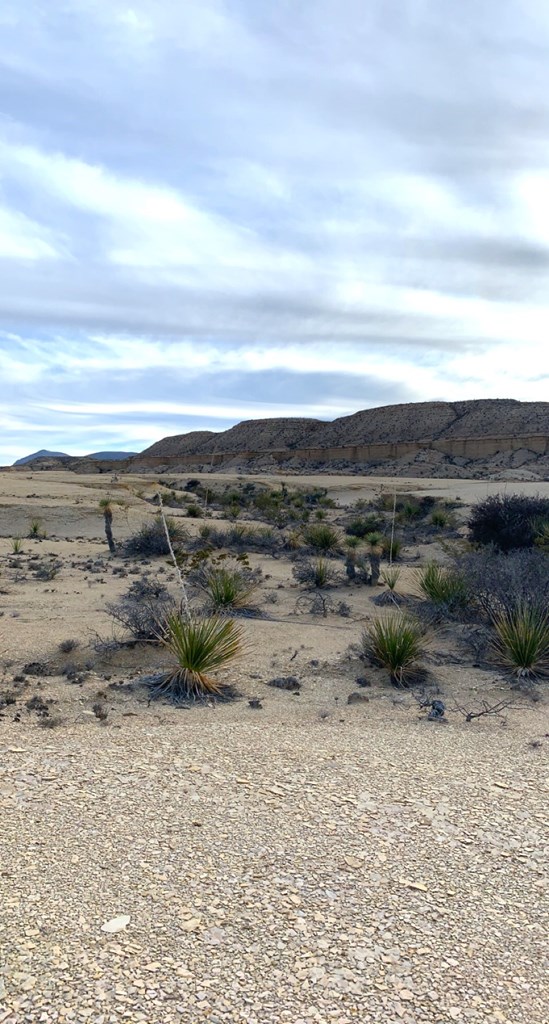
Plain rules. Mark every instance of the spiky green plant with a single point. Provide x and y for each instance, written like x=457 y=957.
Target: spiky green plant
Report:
x=199 y=646
x=16 y=545
x=390 y=577
x=542 y=535
x=227 y=587
x=392 y=546
x=322 y=537
x=522 y=637
x=440 y=518
x=444 y=587
x=35 y=528
x=396 y=642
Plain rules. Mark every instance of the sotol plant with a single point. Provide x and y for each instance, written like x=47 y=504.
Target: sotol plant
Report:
x=199 y=646
x=228 y=587
x=522 y=638
x=444 y=587
x=396 y=643
x=322 y=537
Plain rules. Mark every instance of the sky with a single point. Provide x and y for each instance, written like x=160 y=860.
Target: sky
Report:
x=221 y=210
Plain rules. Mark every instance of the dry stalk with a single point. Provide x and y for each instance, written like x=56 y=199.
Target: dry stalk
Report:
x=393 y=527
x=185 y=604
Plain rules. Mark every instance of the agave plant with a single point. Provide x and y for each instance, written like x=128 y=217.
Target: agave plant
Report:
x=199 y=646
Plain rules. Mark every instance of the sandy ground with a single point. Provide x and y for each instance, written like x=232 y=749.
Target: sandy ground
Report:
x=310 y=861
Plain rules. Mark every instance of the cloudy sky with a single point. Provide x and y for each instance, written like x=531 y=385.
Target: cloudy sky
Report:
x=215 y=210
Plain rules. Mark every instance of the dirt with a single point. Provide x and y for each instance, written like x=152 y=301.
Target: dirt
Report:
x=312 y=859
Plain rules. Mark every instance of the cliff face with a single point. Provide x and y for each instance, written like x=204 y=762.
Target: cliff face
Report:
x=430 y=421
x=250 y=434
x=419 y=421
x=478 y=438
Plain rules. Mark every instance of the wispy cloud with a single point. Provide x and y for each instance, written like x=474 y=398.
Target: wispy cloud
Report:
x=211 y=208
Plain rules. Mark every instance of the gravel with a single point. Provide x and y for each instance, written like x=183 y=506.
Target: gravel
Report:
x=218 y=869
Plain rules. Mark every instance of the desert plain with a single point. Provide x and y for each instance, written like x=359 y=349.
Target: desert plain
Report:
x=330 y=855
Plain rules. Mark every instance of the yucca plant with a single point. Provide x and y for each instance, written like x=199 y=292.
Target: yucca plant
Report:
x=374 y=543
x=106 y=506
x=396 y=643
x=227 y=588
x=522 y=637
x=199 y=647
x=444 y=587
x=16 y=545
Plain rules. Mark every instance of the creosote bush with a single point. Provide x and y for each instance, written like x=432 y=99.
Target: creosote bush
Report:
x=397 y=643
x=497 y=581
x=143 y=609
x=508 y=521
x=315 y=572
x=150 y=539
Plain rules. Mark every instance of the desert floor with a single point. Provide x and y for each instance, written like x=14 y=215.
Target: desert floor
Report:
x=308 y=862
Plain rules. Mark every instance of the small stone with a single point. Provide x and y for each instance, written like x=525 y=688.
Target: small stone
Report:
x=116 y=924
x=191 y=925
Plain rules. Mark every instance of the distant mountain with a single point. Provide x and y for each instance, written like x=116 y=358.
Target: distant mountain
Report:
x=42 y=454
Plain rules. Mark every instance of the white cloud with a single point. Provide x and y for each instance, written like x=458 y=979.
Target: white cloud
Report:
x=219 y=195
x=24 y=239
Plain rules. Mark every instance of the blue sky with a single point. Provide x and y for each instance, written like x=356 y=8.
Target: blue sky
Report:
x=213 y=211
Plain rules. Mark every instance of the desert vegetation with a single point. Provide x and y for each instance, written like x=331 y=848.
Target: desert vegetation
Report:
x=411 y=575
